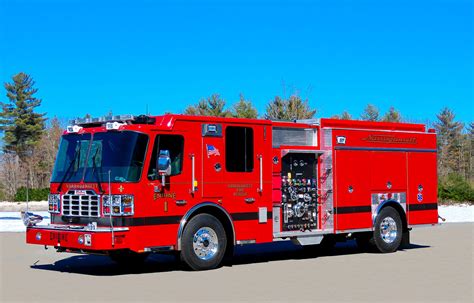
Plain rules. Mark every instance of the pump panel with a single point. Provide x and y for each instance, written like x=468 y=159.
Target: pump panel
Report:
x=299 y=192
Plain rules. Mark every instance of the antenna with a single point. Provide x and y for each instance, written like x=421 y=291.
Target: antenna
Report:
x=110 y=212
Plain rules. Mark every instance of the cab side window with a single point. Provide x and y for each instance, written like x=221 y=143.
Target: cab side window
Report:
x=175 y=145
x=239 y=149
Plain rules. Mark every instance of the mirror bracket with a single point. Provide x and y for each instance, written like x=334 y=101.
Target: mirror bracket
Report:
x=163 y=164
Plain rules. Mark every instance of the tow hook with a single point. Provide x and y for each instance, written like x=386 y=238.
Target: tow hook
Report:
x=442 y=219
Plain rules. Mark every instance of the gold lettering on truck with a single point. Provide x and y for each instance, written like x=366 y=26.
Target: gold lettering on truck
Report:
x=240 y=189
x=164 y=195
x=389 y=139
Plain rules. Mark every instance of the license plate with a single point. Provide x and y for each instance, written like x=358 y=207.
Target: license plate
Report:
x=88 y=239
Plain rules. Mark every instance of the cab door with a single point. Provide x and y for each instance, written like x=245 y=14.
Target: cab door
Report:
x=242 y=167
x=169 y=198
x=248 y=181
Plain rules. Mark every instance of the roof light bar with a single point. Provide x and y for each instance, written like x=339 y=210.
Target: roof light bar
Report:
x=113 y=125
x=101 y=120
x=71 y=129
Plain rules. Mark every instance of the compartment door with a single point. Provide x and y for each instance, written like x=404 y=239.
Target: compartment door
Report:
x=422 y=188
x=352 y=205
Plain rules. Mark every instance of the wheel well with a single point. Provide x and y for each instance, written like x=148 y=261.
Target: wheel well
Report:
x=399 y=209
x=222 y=216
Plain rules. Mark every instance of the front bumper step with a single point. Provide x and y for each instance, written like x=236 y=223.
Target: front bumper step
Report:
x=78 y=237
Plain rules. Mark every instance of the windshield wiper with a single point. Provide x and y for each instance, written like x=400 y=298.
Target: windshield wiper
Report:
x=94 y=173
x=73 y=161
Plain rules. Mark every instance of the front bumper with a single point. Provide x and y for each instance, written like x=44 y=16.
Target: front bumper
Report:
x=69 y=237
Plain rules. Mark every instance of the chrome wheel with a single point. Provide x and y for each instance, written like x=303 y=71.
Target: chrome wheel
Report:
x=388 y=230
x=205 y=243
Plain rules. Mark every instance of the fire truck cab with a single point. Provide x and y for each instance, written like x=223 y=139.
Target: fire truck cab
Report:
x=130 y=185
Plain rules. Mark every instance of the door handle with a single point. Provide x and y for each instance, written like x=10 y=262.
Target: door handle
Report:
x=249 y=200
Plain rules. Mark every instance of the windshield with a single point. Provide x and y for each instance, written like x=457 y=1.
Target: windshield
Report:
x=69 y=166
x=121 y=153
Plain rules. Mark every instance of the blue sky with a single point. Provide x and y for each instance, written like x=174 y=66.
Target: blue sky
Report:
x=91 y=57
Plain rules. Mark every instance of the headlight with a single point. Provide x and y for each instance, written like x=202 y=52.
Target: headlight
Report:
x=54 y=203
x=121 y=205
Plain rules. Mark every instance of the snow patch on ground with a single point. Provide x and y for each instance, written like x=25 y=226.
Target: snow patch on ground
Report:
x=21 y=206
x=10 y=221
x=455 y=213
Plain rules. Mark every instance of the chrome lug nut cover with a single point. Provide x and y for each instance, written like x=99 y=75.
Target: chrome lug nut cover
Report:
x=388 y=230
x=205 y=243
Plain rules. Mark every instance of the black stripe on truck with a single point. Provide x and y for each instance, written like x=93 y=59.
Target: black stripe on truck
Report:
x=143 y=221
x=426 y=206
x=352 y=209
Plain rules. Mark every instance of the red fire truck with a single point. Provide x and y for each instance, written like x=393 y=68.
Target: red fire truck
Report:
x=127 y=185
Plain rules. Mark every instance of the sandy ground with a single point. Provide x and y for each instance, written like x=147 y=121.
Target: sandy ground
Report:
x=437 y=267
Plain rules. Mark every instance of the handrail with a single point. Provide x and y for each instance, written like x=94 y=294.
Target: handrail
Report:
x=260 y=158
x=193 y=177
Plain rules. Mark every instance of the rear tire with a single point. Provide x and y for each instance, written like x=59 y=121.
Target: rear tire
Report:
x=388 y=230
x=203 y=242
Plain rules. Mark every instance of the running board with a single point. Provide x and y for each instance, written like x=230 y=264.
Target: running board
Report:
x=300 y=234
x=159 y=248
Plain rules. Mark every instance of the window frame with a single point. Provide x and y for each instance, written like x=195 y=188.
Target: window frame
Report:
x=252 y=156
x=150 y=163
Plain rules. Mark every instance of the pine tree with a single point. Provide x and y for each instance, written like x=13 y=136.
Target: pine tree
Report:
x=293 y=108
x=199 y=109
x=244 y=109
x=371 y=113
x=21 y=125
x=346 y=116
x=392 y=115
x=449 y=142
x=211 y=106
x=44 y=153
x=276 y=109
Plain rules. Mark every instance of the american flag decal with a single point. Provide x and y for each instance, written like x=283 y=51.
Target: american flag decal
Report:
x=212 y=151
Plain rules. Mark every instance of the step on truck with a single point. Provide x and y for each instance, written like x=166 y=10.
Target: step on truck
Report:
x=127 y=186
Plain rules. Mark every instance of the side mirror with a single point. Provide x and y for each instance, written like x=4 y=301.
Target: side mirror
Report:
x=163 y=163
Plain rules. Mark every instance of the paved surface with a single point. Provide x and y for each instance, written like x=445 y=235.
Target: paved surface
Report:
x=437 y=267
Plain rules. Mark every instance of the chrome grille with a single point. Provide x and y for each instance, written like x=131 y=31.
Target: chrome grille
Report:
x=81 y=203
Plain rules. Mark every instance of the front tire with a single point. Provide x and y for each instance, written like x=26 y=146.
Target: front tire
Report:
x=204 y=242
x=388 y=230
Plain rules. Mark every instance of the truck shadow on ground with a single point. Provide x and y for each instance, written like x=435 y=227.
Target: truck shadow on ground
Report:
x=96 y=265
